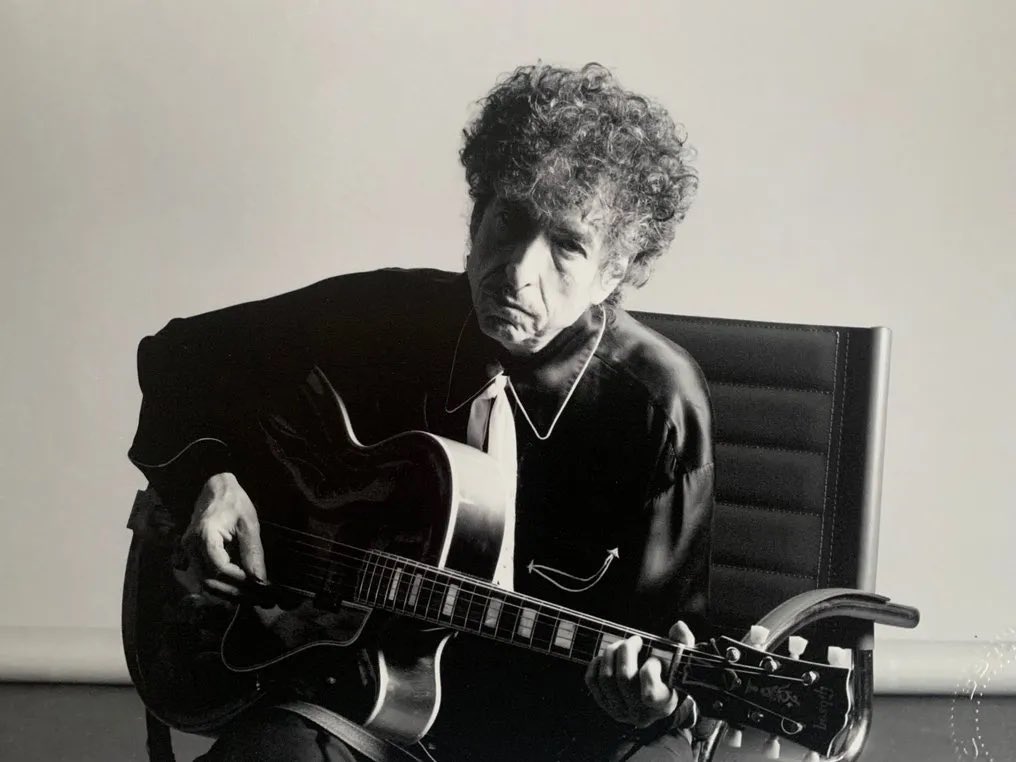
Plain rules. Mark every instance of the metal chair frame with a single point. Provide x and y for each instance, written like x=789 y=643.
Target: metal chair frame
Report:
x=861 y=381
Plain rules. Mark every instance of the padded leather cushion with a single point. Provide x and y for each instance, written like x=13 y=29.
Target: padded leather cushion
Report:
x=777 y=394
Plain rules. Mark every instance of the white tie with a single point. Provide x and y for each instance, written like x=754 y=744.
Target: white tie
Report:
x=491 y=420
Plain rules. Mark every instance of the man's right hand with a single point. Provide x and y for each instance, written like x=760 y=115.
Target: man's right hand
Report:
x=223 y=540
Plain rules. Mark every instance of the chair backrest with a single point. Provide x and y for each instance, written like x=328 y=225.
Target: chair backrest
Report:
x=799 y=422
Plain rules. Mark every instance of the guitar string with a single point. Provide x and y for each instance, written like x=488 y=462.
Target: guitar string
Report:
x=359 y=553
x=359 y=560
x=477 y=594
x=578 y=655
x=689 y=652
x=461 y=622
x=391 y=602
x=583 y=660
x=453 y=620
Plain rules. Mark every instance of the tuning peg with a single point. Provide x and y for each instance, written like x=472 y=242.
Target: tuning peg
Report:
x=757 y=635
x=733 y=738
x=812 y=756
x=772 y=748
x=839 y=657
x=796 y=645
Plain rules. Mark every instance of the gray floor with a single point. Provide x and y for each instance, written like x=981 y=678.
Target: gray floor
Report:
x=82 y=723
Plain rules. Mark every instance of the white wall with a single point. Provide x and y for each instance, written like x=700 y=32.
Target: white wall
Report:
x=161 y=159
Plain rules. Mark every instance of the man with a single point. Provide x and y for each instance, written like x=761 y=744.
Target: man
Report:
x=577 y=186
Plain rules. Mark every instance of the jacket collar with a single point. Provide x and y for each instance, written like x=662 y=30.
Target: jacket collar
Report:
x=542 y=382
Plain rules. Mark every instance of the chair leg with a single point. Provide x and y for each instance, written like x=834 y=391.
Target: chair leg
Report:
x=159 y=743
x=707 y=745
x=857 y=733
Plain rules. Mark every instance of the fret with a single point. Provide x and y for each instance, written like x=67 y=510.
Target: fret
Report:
x=527 y=618
x=449 y=600
x=383 y=576
x=362 y=577
x=432 y=595
x=476 y=599
x=543 y=630
x=394 y=586
x=369 y=571
x=410 y=590
x=609 y=638
x=402 y=585
x=460 y=606
x=375 y=579
x=372 y=580
x=492 y=612
x=398 y=589
x=507 y=622
x=414 y=591
x=435 y=597
x=665 y=655
x=564 y=635
x=585 y=642
x=389 y=581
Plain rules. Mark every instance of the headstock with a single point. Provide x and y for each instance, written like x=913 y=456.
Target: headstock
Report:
x=804 y=701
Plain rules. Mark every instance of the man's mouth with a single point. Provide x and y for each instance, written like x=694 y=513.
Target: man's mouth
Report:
x=509 y=306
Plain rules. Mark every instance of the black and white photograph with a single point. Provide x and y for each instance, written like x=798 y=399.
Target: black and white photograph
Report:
x=525 y=382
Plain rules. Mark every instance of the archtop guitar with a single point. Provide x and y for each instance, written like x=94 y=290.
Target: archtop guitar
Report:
x=364 y=597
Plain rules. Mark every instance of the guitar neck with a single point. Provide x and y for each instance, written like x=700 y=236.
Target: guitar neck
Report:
x=803 y=700
x=466 y=604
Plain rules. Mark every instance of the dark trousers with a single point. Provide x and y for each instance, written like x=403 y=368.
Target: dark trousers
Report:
x=275 y=735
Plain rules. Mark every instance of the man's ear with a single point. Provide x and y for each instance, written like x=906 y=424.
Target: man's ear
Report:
x=610 y=278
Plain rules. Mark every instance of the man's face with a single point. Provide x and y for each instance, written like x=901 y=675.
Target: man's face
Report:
x=532 y=278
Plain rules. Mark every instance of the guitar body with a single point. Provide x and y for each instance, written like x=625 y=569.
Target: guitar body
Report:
x=198 y=663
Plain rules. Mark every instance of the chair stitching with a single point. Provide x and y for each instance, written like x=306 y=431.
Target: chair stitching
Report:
x=839 y=453
x=825 y=486
x=765 y=571
x=774 y=448
x=805 y=389
x=755 y=507
x=741 y=323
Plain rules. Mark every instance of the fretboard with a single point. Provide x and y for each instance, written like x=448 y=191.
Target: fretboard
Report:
x=463 y=603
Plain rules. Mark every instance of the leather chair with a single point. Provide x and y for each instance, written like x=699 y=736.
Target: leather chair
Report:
x=799 y=425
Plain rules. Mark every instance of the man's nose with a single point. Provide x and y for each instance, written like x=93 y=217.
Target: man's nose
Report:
x=525 y=261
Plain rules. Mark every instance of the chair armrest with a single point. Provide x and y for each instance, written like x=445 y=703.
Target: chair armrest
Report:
x=809 y=607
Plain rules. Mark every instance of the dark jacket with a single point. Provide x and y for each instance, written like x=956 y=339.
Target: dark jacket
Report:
x=627 y=465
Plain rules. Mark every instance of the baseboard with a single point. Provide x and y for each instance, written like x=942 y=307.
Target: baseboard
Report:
x=945 y=667
x=95 y=655
x=62 y=655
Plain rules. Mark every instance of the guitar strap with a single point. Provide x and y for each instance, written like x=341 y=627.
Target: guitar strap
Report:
x=358 y=737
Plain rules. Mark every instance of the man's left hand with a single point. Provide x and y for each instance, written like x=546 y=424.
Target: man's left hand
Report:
x=631 y=694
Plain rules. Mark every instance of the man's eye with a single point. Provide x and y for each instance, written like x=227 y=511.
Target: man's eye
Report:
x=506 y=225
x=569 y=246
x=508 y=218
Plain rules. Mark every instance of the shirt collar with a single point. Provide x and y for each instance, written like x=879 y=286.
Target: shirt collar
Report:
x=543 y=382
